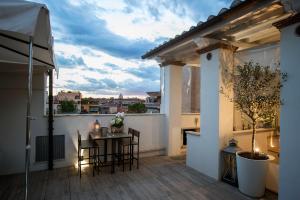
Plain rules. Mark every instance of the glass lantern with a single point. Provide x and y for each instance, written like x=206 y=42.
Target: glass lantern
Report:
x=229 y=172
x=97 y=126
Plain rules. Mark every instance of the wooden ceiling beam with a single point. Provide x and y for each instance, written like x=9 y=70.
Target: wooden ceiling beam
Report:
x=216 y=46
x=172 y=62
x=288 y=21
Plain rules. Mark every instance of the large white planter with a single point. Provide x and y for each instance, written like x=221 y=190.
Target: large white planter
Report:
x=251 y=175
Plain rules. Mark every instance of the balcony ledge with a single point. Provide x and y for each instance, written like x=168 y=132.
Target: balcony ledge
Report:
x=249 y=131
x=99 y=115
x=193 y=133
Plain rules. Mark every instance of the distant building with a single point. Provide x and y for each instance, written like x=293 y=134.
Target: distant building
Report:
x=108 y=109
x=67 y=96
x=90 y=105
x=153 y=102
x=107 y=105
x=123 y=103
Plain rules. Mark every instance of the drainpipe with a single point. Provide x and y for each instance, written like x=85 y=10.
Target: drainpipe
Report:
x=50 y=121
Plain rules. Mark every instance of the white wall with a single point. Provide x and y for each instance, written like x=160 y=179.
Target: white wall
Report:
x=289 y=115
x=151 y=126
x=188 y=120
x=13 y=102
x=203 y=152
x=261 y=139
x=171 y=100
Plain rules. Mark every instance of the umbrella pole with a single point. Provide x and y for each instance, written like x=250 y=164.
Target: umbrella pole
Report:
x=28 y=119
x=50 y=121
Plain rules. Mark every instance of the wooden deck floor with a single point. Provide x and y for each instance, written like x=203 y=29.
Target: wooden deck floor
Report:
x=157 y=178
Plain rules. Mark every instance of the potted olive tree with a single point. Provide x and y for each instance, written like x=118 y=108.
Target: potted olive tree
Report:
x=256 y=93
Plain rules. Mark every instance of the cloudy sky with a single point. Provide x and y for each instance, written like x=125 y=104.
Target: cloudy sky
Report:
x=99 y=43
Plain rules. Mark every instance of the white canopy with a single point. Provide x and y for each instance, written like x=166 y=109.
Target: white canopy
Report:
x=20 y=20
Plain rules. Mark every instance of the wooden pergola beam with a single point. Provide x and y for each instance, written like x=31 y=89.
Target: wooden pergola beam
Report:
x=288 y=21
x=216 y=46
x=172 y=62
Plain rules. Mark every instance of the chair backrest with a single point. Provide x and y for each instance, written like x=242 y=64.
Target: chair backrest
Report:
x=134 y=133
x=130 y=131
x=79 y=138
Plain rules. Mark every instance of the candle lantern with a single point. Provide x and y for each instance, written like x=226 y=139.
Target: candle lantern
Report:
x=97 y=126
x=228 y=155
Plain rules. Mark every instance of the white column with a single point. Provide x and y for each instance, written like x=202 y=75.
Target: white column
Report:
x=171 y=106
x=216 y=115
x=289 y=185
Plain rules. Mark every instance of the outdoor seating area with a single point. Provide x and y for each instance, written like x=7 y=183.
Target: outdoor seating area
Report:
x=124 y=148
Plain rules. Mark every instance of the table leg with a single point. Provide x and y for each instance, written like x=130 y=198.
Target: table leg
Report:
x=130 y=154
x=119 y=151
x=113 y=152
x=105 y=151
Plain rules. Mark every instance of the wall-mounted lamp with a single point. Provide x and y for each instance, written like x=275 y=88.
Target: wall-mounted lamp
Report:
x=208 y=56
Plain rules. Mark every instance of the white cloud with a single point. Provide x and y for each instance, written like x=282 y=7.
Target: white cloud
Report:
x=140 y=22
x=96 y=67
x=105 y=4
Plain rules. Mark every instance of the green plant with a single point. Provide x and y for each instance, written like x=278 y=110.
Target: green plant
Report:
x=256 y=93
x=68 y=106
x=137 y=108
x=118 y=120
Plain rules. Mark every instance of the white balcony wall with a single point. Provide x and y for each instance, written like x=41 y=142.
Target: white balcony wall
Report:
x=151 y=126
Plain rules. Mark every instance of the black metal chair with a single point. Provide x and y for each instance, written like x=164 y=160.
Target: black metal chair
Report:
x=92 y=157
x=135 y=141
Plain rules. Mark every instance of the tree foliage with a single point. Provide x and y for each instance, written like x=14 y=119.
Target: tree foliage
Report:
x=68 y=106
x=256 y=92
x=137 y=108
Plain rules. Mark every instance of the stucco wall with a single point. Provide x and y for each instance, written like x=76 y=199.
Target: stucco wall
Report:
x=289 y=124
x=151 y=126
x=188 y=120
x=13 y=115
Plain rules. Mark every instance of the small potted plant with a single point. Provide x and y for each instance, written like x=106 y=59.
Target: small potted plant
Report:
x=256 y=93
x=117 y=123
